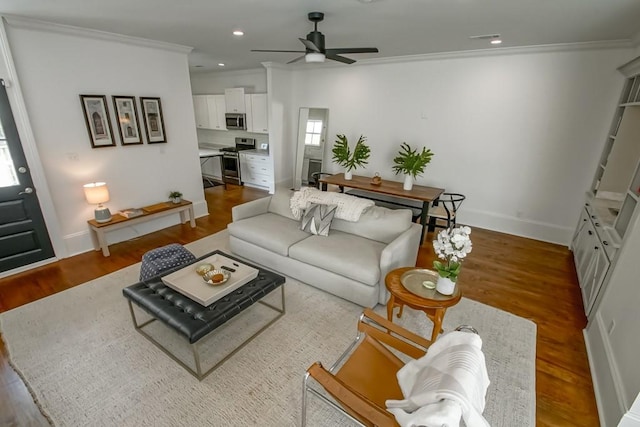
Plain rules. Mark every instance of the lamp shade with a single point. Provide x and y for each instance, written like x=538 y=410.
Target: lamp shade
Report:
x=96 y=193
x=314 y=57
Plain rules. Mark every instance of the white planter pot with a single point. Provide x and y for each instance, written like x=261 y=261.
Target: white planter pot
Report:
x=445 y=286
x=408 y=182
x=176 y=200
x=348 y=175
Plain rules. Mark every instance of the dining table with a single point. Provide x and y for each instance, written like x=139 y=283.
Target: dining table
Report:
x=393 y=189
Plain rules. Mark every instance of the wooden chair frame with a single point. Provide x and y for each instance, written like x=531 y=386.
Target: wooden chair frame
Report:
x=380 y=336
x=450 y=202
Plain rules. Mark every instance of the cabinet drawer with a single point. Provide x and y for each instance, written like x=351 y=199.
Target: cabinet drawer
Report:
x=256 y=158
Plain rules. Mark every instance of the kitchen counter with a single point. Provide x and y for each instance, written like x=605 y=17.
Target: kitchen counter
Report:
x=258 y=152
x=209 y=152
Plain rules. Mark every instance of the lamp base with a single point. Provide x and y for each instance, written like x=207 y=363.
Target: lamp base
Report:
x=102 y=215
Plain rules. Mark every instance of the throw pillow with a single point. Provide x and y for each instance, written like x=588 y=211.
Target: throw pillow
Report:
x=317 y=219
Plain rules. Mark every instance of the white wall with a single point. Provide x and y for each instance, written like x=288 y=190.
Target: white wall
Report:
x=58 y=64
x=520 y=134
x=283 y=124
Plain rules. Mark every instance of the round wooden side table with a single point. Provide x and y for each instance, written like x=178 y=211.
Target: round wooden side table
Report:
x=430 y=301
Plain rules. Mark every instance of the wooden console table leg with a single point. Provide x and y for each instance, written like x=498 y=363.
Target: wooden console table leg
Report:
x=102 y=241
x=192 y=217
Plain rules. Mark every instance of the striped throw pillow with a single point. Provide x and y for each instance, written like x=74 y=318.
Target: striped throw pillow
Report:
x=317 y=219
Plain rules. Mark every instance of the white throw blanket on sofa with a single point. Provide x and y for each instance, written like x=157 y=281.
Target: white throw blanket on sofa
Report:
x=448 y=383
x=349 y=207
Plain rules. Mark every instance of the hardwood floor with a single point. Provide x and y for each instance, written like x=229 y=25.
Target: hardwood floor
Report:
x=531 y=279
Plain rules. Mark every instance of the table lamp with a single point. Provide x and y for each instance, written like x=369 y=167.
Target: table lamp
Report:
x=97 y=193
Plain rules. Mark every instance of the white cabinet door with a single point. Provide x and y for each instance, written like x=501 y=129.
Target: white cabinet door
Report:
x=220 y=111
x=259 y=113
x=215 y=106
x=596 y=271
x=248 y=113
x=201 y=111
x=234 y=98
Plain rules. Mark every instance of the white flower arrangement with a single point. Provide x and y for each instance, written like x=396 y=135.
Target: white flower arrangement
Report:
x=452 y=246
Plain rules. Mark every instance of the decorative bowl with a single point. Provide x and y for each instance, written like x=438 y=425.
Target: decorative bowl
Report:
x=204 y=268
x=216 y=277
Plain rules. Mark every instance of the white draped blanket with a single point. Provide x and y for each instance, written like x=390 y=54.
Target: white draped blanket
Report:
x=349 y=207
x=449 y=381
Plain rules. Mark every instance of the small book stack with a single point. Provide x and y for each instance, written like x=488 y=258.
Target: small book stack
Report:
x=130 y=213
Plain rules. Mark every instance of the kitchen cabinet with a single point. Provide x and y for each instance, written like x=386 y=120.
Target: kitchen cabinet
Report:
x=234 y=100
x=209 y=111
x=216 y=106
x=259 y=112
x=201 y=111
x=256 y=112
x=256 y=170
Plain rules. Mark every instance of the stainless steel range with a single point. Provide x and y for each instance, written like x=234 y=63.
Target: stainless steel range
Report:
x=231 y=160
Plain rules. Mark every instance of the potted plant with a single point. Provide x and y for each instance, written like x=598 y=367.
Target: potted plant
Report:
x=348 y=159
x=175 y=196
x=411 y=162
x=452 y=246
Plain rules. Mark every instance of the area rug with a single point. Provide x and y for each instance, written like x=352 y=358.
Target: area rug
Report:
x=85 y=364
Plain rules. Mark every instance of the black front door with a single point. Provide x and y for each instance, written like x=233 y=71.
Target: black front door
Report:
x=23 y=234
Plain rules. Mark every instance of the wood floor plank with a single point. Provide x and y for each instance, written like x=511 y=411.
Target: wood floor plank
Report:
x=529 y=278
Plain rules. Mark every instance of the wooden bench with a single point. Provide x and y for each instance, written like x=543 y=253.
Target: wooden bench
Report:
x=118 y=221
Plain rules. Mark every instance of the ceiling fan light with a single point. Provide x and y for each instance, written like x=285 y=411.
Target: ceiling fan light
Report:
x=314 y=57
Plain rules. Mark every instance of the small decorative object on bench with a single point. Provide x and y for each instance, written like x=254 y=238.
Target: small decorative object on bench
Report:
x=411 y=163
x=131 y=212
x=175 y=196
x=377 y=179
x=343 y=156
x=452 y=245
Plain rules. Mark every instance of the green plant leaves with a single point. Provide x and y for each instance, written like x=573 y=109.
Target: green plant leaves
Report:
x=343 y=155
x=411 y=162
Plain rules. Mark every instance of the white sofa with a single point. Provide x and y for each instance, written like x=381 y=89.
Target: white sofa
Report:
x=351 y=262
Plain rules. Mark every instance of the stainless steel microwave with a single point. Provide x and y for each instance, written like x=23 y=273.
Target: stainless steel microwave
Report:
x=236 y=121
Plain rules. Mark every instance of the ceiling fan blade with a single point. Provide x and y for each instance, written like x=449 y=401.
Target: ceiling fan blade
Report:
x=340 y=58
x=309 y=45
x=353 y=50
x=299 y=58
x=270 y=50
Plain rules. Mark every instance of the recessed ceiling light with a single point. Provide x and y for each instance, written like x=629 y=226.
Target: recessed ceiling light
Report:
x=220 y=64
x=238 y=33
x=496 y=41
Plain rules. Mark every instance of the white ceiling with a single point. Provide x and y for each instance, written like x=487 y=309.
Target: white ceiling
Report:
x=396 y=27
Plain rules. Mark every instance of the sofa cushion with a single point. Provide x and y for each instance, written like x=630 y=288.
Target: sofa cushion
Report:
x=279 y=204
x=269 y=231
x=377 y=223
x=317 y=218
x=342 y=253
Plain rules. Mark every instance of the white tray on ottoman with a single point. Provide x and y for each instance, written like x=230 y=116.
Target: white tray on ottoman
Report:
x=189 y=283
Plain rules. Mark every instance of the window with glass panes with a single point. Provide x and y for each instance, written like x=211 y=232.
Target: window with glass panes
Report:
x=314 y=130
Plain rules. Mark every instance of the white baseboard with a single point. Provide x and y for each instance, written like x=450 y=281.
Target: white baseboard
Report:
x=537 y=230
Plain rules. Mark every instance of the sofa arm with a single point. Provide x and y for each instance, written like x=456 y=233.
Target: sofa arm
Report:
x=402 y=252
x=249 y=209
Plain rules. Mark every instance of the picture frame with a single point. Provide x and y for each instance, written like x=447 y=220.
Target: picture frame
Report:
x=127 y=120
x=153 y=120
x=98 y=121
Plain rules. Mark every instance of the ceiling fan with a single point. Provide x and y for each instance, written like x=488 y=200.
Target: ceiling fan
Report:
x=314 y=46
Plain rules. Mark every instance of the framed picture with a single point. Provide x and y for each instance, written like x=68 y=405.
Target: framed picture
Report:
x=96 y=116
x=153 y=120
x=127 y=119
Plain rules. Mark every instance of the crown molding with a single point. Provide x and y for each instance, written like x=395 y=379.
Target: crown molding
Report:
x=502 y=51
x=221 y=73
x=34 y=24
x=631 y=68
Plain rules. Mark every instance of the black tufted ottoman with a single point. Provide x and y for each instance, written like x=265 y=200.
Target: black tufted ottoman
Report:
x=193 y=321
